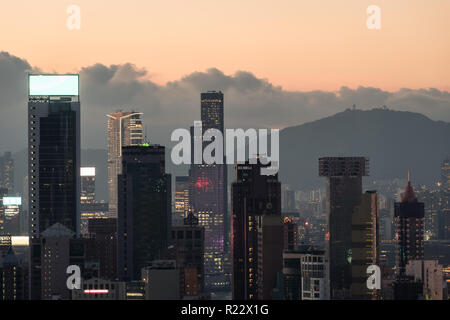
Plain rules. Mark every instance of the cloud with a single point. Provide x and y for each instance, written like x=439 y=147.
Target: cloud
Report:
x=249 y=101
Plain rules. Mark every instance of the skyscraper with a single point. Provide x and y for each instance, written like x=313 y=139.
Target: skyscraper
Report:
x=365 y=250
x=53 y=152
x=144 y=218
x=181 y=198
x=253 y=195
x=344 y=189
x=410 y=226
x=7 y=172
x=124 y=129
x=208 y=194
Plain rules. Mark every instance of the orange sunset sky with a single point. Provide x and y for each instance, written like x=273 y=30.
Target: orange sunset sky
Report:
x=299 y=45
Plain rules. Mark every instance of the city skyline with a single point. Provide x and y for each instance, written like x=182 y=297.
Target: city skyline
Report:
x=224 y=158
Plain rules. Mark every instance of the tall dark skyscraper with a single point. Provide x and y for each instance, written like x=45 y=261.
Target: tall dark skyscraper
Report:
x=344 y=189
x=208 y=195
x=53 y=152
x=7 y=172
x=253 y=195
x=144 y=221
x=410 y=228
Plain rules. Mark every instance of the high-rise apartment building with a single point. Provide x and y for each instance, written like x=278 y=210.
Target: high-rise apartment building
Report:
x=53 y=152
x=253 y=195
x=208 y=195
x=124 y=129
x=410 y=226
x=144 y=218
x=343 y=193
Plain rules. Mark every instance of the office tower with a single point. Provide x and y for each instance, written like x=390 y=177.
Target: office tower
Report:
x=144 y=219
x=59 y=249
x=13 y=277
x=7 y=172
x=343 y=193
x=270 y=253
x=103 y=236
x=162 y=280
x=428 y=272
x=181 y=198
x=53 y=152
x=253 y=195
x=365 y=244
x=290 y=234
x=189 y=245
x=124 y=129
x=209 y=195
x=409 y=218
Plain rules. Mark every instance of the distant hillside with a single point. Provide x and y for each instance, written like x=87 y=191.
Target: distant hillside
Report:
x=394 y=141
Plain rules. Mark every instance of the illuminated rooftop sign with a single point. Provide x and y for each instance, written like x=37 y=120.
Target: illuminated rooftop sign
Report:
x=20 y=240
x=53 y=85
x=96 y=291
x=12 y=201
x=87 y=171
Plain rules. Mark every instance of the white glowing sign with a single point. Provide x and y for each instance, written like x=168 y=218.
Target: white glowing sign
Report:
x=12 y=201
x=87 y=171
x=53 y=85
